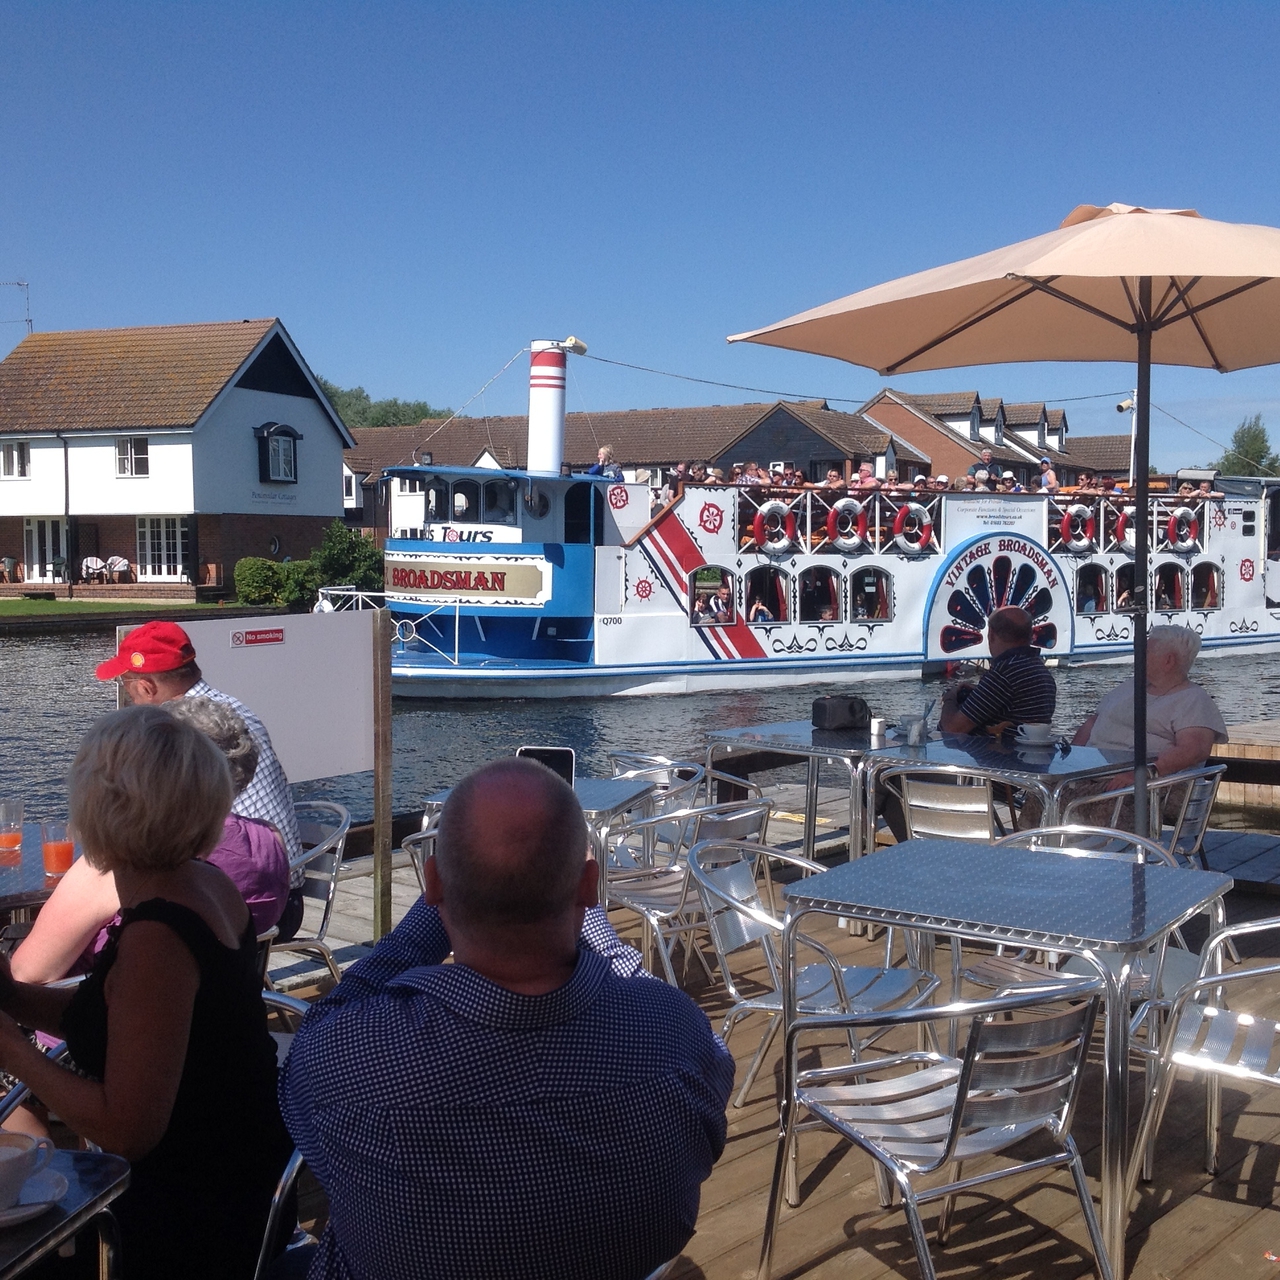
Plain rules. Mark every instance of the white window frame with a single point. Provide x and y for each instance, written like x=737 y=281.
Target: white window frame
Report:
x=128 y=457
x=162 y=548
x=282 y=458
x=15 y=460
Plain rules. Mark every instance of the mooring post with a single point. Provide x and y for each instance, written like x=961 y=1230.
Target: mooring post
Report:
x=382 y=632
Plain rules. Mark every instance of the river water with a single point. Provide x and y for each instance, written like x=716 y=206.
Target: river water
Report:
x=49 y=697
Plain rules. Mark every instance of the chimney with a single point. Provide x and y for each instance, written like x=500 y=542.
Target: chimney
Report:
x=546 y=403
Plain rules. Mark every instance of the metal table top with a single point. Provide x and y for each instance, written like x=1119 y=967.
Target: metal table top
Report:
x=600 y=798
x=798 y=737
x=94 y=1178
x=1051 y=763
x=1028 y=895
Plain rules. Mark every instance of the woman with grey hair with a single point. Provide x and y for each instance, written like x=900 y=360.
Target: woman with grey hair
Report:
x=72 y=925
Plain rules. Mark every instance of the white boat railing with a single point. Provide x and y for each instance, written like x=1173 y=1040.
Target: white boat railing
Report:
x=341 y=598
x=407 y=631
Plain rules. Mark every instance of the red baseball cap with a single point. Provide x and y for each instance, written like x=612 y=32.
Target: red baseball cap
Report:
x=148 y=650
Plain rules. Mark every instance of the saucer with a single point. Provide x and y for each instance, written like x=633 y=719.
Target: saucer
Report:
x=39 y=1193
x=1034 y=742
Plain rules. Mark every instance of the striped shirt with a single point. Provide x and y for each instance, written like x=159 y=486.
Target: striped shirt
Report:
x=1017 y=687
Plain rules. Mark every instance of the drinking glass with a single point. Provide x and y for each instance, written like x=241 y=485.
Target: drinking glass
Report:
x=57 y=847
x=10 y=833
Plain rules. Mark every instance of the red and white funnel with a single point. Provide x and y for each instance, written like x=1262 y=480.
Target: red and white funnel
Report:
x=547 y=361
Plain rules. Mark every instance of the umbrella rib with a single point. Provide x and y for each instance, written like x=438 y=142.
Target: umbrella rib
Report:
x=1222 y=297
x=956 y=330
x=1045 y=287
x=1195 y=320
x=1164 y=312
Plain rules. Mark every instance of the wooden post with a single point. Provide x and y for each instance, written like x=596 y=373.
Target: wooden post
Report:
x=383 y=630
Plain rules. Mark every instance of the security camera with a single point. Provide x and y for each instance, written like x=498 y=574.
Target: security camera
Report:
x=1124 y=406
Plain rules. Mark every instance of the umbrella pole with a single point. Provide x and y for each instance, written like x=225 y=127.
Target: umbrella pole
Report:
x=1141 y=555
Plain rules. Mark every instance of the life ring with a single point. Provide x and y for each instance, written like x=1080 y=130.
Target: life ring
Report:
x=1078 y=527
x=924 y=528
x=854 y=517
x=1124 y=535
x=774 y=527
x=1183 y=530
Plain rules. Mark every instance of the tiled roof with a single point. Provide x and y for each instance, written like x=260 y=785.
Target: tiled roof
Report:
x=157 y=376
x=639 y=437
x=1022 y=415
x=1100 y=453
x=1055 y=418
x=1000 y=453
x=947 y=404
x=989 y=408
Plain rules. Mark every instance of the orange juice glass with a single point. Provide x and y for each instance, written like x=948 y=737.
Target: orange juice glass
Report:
x=10 y=833
x=57 y=847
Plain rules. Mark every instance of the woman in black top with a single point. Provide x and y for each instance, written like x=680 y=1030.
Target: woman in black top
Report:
x=169 y=1027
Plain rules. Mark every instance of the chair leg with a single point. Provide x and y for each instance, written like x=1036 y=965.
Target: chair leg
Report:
x=884 y=1188
x=775 y=1021
x=949 y=1204
x=1090 y=1216
x=918 y=1237
x=1161 y=1086
x=664 y=951
x=1212 y=1120
x=781 y=1163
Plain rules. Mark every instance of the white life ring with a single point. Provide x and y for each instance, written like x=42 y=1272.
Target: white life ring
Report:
x=774 y=527
x=1183 y=530
x=847 y=525
x=902 y=537
x=1079 y=527
x=1126 y=536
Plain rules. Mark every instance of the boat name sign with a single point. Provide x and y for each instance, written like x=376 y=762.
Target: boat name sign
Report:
x=475 y=580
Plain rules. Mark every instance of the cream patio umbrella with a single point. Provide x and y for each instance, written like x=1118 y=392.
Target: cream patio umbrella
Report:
x=1115 y=283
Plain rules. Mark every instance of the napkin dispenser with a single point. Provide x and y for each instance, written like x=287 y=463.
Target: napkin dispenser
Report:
x=841 y=713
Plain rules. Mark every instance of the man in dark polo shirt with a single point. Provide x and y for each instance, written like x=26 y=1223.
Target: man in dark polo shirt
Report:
x=1016 y=689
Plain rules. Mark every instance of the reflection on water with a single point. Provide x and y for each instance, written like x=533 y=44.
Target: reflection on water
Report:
x=49 y=697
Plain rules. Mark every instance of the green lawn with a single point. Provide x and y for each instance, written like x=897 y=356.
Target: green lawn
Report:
x=20 y=608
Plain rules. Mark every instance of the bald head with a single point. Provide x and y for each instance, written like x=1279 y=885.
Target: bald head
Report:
x=511 y=846
x=1010 y=625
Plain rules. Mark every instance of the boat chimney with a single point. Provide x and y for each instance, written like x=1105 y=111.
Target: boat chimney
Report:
x=546 y=403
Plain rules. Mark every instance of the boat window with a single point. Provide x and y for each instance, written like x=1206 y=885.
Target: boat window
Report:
x=500 y=502
x=712 y=595
x=820 y=595
x=1206 y=587
x=1168 y=595
x=870 y=595
x=1124 y=589
x=767 y=592
x=1091 y=589
x=437 y=501
x=466 y=501
x=577 y=513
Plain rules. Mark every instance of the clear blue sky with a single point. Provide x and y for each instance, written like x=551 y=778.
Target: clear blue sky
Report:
x=419 y=190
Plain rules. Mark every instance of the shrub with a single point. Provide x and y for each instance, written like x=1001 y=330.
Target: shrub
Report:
x=299 y=581
x=346 y=558
x=258 y=581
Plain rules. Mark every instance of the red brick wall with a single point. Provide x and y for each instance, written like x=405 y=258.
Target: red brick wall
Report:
x=226 y=539
x=949 y=456
x=11 y=537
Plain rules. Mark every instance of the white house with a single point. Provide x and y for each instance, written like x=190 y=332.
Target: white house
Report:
x=175 y=450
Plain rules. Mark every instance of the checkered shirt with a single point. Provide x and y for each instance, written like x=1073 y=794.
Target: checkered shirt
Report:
x=267 y=797
x=464 y=1132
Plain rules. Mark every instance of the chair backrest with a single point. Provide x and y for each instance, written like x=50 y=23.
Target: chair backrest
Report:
x=264 y=941
x=1089 y=842
x=744 y=820
x=273 y=1238
x=420 y=845
x=1187 y=833
x=954 y=810
x=664 y=839
x=676 y=782
x=323 y=827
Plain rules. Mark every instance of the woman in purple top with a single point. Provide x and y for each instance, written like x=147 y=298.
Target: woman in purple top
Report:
x=72 y=926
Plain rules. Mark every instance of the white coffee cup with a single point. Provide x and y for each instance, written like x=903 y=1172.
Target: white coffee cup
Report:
x=20 y=1156
x=878 y=725
x=1035 y=732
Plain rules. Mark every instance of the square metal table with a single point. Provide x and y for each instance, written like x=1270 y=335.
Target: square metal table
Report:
x=799 y=739
x=94 y=1179
x=1024 y=897
x=1045 y=769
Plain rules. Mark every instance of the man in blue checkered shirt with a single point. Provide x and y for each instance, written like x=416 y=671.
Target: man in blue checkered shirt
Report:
x=540 y=1107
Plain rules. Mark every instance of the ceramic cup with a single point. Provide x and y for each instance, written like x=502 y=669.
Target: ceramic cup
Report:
x=1035 y=732
x=878 y=725
x=20 y=1157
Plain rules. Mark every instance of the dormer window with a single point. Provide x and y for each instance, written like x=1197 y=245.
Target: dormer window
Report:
x=277 y=453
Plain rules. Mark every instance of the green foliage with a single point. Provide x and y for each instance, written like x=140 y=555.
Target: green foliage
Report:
x=1250 y=453
x=356 y=409
x=346 y=558
x=298 y=585
x=258 y=581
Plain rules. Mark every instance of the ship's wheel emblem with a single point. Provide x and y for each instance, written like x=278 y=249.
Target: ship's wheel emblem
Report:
x=618 y=496
x=1219 y=517
x=644 y=589
x=986 y=590
x=1246 y=570
x=710 y=518
x=451 y=535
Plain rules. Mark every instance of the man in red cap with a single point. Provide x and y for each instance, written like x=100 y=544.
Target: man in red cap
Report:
x=156 y=663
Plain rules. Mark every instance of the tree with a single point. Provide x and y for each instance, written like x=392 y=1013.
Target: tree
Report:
x=1250 y=453
x=346 y=558
x=356 y=409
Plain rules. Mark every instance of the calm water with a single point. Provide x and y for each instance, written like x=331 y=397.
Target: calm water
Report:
x=48 y=697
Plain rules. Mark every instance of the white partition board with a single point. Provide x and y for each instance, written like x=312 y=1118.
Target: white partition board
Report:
x=308 y=677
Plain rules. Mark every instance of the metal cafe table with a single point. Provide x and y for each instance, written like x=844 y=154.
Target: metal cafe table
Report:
x=799 y=740
x=94 y=1179
x=1030 y=898
x=23 y=883
x=1045 y=769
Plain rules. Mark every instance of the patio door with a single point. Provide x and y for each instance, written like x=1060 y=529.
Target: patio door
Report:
x=164 y=547
x=43 y=550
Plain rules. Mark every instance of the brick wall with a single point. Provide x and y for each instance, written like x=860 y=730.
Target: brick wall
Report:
x=227 y=539
x=949 y=456
x=11 y=538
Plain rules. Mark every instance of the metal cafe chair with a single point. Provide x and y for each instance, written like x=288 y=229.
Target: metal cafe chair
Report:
x=264 y=941
x=420 y=845
x=648 y=872
x=1012 y=1079
x=676 y=782
x=745 y=926
x=956 y=810
x=1212 y=1039
x=323 y=827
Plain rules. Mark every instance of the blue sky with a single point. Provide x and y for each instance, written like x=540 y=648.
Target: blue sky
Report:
x=418 y=190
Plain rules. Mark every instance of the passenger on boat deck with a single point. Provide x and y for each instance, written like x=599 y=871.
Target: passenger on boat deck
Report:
x=867 y=476
x=982 y=481
x=720 y=606
x=605 y=465
x=985 y=463
x=1107 y=485
x=941 y=483
x=751 y=474
x=1009 y=483
x=735 y=475
x=176 y=1069
x=1206 y=490
x=834 y=479
x=697 y=473
x=541 y=1107
x=1185 y=490
x=759 y=612
x=1183 y=721
x=156 y=663
x=969 y=484
x=1048 y=477
x=1086 y=482
x=73 y=925
x=890 y=480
